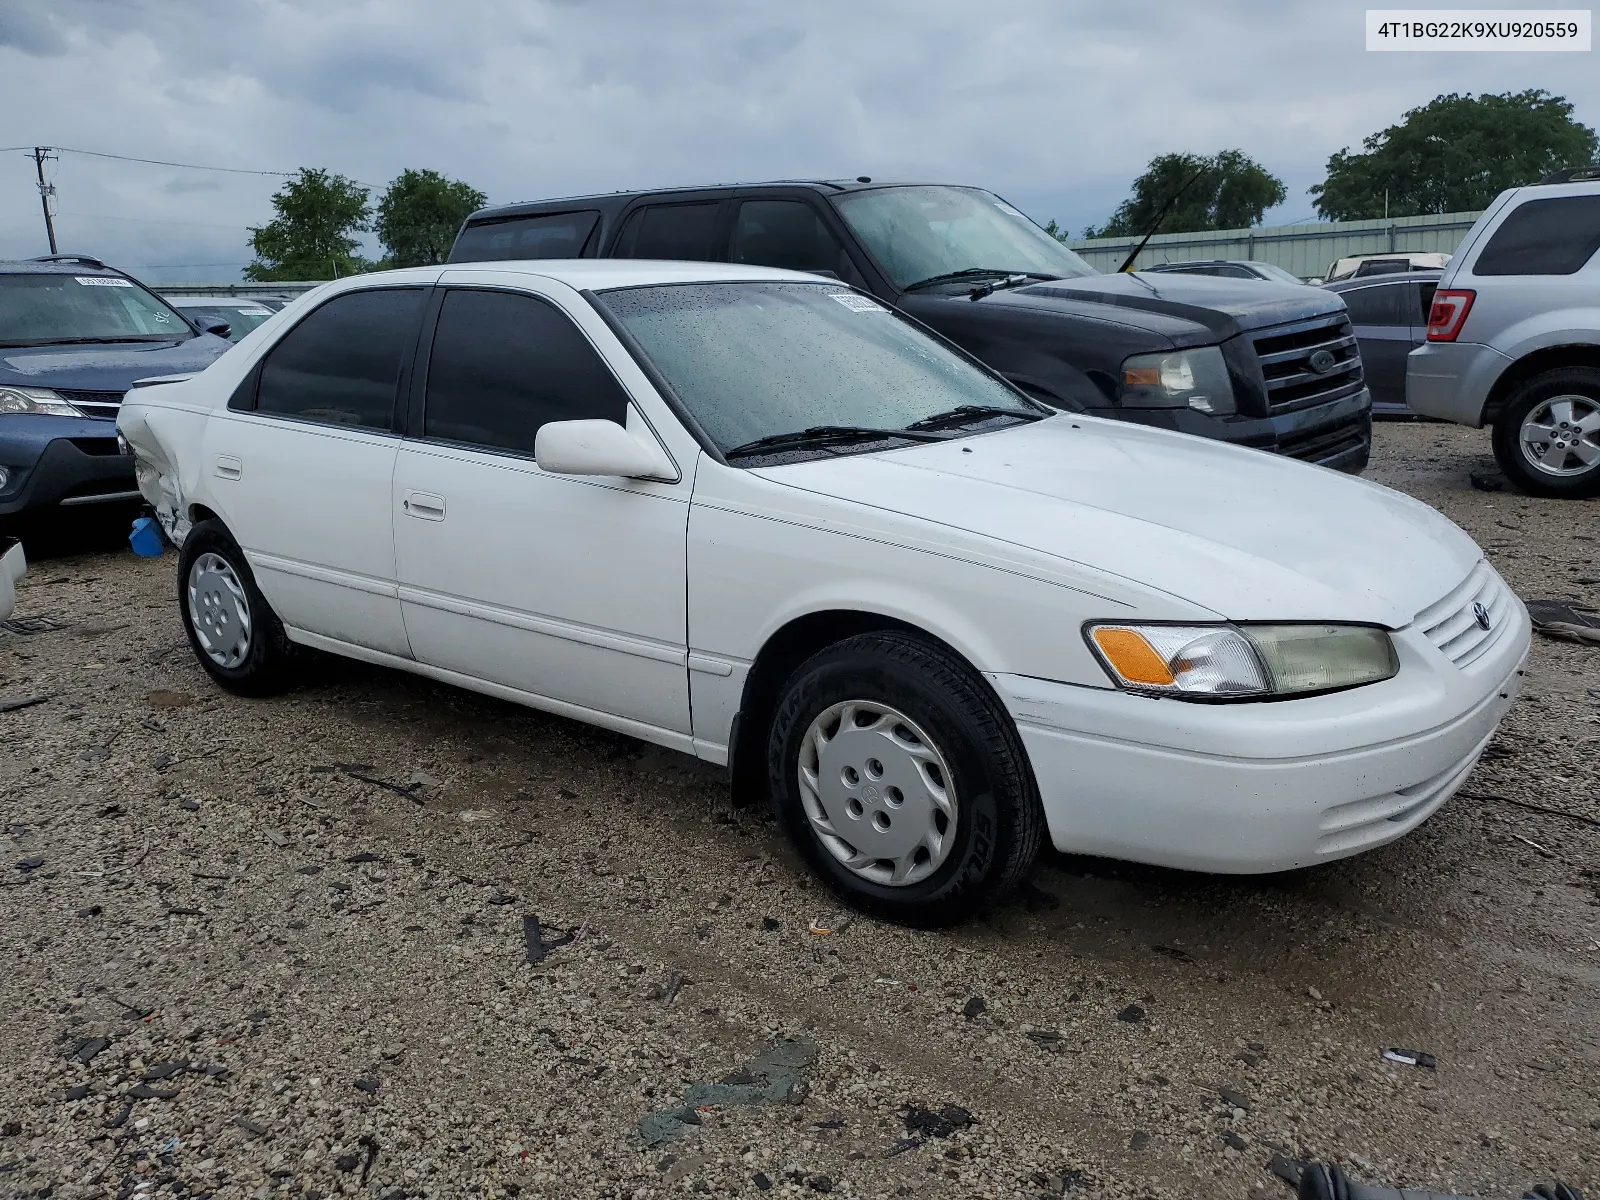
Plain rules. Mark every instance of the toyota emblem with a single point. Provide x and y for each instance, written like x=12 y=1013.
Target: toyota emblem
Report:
x=1322 y=362
x=1481 y=614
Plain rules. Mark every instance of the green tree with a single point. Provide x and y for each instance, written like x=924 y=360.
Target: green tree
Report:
x=419 y=215
x=1230 y=190
x=311 y=237
x=1454 y=154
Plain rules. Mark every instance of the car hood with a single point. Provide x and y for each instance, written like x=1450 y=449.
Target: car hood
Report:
x=1245 y=534
x=1223 y=307
x=107 y=368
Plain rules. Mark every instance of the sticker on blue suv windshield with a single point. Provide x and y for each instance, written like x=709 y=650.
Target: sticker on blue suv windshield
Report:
x=102 y=281
x=857 y=303
x=255 y=312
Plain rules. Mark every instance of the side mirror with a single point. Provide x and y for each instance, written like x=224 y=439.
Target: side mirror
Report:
x=599 y=448
x=221 y=328
x=827 y=274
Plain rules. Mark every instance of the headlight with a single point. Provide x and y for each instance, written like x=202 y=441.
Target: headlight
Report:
x=1195 y=379
x=35 y=400
x=1225 y=662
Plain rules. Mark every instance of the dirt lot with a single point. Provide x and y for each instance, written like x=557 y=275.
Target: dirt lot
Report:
x=317 y=904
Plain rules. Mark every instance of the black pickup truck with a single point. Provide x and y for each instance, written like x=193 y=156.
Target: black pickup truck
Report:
x=1252 y=362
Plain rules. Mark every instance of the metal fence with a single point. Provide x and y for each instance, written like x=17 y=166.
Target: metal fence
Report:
x=1305 y=250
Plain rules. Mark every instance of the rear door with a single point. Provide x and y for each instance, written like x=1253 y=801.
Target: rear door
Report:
x=302 y=461
x=1382 y=319
x=688 y=227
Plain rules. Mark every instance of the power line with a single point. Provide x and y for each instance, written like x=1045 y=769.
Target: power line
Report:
x=157 y=162
x=148 y=220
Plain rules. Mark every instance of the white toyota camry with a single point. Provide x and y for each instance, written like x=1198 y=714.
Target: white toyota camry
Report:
x=755 y=516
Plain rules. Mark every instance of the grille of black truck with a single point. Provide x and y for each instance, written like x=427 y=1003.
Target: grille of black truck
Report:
x=92 y=404
x=1308 y=362
x=1319 y=445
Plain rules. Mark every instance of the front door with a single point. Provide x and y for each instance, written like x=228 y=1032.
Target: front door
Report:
x=568 y=590
x=302 y=463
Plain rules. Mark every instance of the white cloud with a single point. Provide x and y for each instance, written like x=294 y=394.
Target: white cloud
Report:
x=1055 y=103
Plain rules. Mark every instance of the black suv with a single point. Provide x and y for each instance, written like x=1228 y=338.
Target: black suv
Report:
x=1251 y=362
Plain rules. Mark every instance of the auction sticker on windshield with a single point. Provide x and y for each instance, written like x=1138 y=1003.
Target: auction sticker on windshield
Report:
x=857 y=303
x=102 y=281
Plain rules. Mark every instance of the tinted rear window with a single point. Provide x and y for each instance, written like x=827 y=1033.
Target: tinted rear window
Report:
x=1544 y=237
x=1382 y=304
x=544 y=235
x=683 y=231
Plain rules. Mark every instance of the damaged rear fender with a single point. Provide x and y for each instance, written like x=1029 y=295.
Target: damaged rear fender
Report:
x=165 y=443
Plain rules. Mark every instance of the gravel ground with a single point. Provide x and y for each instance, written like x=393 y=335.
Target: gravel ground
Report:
x=277 y=948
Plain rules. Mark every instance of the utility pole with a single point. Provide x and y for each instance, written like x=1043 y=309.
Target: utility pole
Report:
x=46 y=191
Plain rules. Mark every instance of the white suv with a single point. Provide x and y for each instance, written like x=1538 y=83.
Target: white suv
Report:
x=1514 y=336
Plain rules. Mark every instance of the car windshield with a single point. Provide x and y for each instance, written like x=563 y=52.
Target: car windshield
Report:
x=755 y=360
x=924 y=233
x=51 y=308
x=241 y=318
x=1273 y=271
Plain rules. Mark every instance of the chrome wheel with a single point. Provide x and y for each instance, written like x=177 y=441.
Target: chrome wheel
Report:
x=1561 y=436
x=878 y=793
x=219 y=613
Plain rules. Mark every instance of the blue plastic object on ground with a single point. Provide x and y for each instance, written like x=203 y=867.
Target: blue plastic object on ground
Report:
x=146 y=538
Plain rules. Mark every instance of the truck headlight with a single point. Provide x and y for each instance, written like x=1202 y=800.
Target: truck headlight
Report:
x=1232 y=662
x=35 y=400
x=1195 y=379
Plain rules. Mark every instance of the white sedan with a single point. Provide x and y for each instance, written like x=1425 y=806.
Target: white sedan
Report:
x=13 y=566
x=756 y=517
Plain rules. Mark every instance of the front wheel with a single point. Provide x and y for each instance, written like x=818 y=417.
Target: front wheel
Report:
x=234 y=633
x=1547 y=438
x=902 y=781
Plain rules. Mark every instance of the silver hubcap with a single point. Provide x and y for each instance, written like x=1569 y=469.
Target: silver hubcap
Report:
x=1561 y=436
x=218 y=610
x=878 y=793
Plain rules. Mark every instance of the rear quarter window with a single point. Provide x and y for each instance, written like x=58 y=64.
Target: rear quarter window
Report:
x=542 y=235
x=1555 y=236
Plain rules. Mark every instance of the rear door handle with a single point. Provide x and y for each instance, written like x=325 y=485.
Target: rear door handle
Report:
x=425 y=505
x=229 y=467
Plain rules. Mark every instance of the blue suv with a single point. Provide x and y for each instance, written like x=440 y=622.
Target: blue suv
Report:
x=74 y=335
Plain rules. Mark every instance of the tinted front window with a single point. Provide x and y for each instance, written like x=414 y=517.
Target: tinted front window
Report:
x=918 y=233
x=545 y=235
x=502 y=365
x=685 y=231
x=341 y=365
x=1544 y=237
x=753 y=359
x=788 y=234
x=1378 y=305
x=39 y=309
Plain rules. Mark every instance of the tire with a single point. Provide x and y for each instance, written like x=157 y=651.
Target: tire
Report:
x=1539 y=406
x=940 y=732
x=232 y=629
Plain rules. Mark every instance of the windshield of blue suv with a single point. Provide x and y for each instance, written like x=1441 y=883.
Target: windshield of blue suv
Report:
x=753 y=361
x=924 y=234
x=59 y=309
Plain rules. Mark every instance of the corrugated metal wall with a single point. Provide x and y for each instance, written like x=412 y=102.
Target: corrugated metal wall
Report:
x=237 y=291
x=1306 y=250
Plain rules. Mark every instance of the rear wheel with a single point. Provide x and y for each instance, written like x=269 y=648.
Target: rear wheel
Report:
x=1547 y=438
x=234 y=633
x=901 y=779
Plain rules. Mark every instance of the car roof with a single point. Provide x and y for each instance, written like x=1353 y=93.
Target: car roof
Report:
x=1350 y=282
x=589 y=273
x=618 y=199
x=71 y=266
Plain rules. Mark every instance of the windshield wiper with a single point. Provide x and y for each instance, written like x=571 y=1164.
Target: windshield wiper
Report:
x=1015 y=279
x=821 y=435
x=965 y=414
x=949 y=276
x=90 y=341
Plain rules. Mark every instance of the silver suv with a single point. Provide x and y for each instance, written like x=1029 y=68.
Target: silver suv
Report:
x=1514 y=335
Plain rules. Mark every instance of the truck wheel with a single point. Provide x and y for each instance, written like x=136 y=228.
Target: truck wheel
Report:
x=232 y=630
x=1547 y=438
x=902 y=780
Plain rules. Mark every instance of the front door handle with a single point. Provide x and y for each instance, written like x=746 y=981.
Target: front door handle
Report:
x=229 y=467
x=425 y=505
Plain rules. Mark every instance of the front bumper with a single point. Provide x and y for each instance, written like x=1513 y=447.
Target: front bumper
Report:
x=1452 y=380
x=56 y=462
x=1337 y=434
x=1258 y=787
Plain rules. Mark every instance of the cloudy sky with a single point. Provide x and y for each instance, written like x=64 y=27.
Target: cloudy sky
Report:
x=1056 y=104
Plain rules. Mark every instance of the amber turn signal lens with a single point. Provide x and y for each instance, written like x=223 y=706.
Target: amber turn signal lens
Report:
x=1132 y=657
x=1141 y=376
